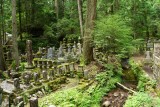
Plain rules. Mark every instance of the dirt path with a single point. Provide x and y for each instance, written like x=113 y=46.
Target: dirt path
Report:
x=147 y=67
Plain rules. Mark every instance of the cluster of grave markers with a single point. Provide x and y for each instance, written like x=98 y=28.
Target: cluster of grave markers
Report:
x=64 y=51
x=51 y=67
x=52 y=64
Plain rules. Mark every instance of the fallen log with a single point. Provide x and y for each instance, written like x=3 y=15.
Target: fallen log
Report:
x=126 y=88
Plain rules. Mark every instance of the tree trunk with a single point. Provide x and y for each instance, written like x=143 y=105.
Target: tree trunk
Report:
x=20 y=21
x=59 y=8
x=14 y=33
x=2 y=60
x=2 y=22
x=80 y=16
x=89 y=26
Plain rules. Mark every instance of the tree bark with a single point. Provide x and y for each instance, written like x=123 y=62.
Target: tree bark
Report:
x=89 y=26
x=80 y=16
x=59 y=8
x=14 y=33
x=2 y=22
x=2 y=60
x=20 y=21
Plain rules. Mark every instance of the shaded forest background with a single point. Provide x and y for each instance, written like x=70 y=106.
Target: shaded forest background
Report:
x=48 y=22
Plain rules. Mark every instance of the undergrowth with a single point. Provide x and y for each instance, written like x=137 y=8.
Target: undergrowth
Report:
x=142 y=99
x=145 y=89
x=145 y=83
x=84 y=98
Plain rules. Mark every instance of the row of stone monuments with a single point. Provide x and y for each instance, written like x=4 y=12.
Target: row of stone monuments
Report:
x=65 y=53
x=52 y=64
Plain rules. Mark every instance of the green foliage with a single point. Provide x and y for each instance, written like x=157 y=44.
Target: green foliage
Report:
x=22 y=46
x=145 y=83
x=113 y=33
x=13 y=65
x=67 y=27
x=49 y=34
x=22 y=67
x=141 y=16
x=78 y=98
x=82 y=60
x=141 y=99
x=3 y=75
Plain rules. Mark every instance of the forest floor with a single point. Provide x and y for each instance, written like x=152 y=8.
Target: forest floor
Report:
x=118 y=96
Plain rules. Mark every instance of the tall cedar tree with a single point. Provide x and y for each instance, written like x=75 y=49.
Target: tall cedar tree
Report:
x=2 y=60
x=14 y=33
x=89 y=26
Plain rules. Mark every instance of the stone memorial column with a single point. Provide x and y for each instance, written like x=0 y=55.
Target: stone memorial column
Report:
x=29 y=53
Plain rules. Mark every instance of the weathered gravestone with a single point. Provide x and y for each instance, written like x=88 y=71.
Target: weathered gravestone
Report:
x=29 y=54
x=45 y=75
x=36 y=77
x=60 y=52
x=27 y=79
x=79 y=50
x=16 y=83
x=33 y=102
x=50 y=53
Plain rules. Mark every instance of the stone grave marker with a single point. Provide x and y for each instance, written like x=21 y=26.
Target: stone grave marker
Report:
x=80 y=71
x=29 y=54
x=50 y=53
x=60 y=52
x=86 y=72
x=79 y=50
x=67 y=68
x=16 y=83
x=51 y=73
x=27 y=80
x=45 y=74
x=33 y=102
x=36 y=77
x=74 y=48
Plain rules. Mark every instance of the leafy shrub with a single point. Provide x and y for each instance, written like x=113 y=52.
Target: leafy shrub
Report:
x=113 y=33
x=141 y=99
x=49 y=34
x=89 y=98
x=145 y=83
